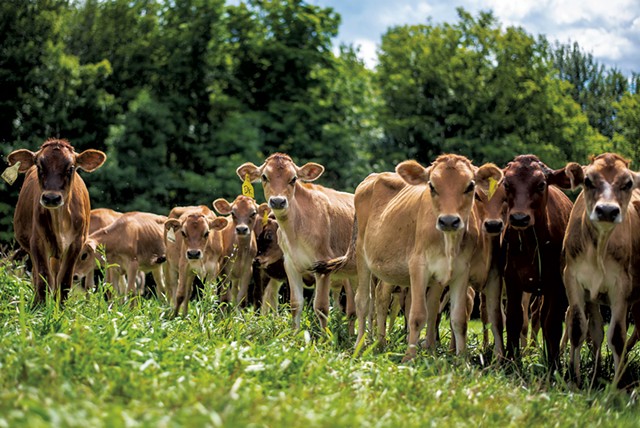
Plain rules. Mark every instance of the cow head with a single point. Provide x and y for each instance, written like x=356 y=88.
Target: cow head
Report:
x=195 y=229
x=607 y=187
x=491 y=203
x=86 y=262
x=451 y=181
x=269 y=251
x=243 y=211
x=56 y=164
x=527 y=181
x=280 y=178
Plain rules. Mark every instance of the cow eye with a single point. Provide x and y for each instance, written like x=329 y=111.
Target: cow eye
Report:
x=293 y=181
x=84 y=256
x=433 y=189
x=71 y=170
x=183 y=233
x=627 y=185
x=541 y=186
x=264 y=178
x=588 y=183
x=470 y=187
x=477 y=197
x=253 y=214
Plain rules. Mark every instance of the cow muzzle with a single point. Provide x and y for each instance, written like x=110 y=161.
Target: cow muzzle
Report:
x=194 y=254
x=449 y=223
x=520 y=220
x=243 y=230
x=493 y=227
x=609 y=213
x=51 y=200
x=278 y=203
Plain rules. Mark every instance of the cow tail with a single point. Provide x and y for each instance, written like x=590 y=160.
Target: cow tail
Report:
x=325 y=267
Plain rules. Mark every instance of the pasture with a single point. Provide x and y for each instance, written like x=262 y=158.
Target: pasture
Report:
x=97 y=363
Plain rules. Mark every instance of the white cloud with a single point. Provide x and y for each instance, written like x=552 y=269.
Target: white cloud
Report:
x=599 y=41
x=407 y=13
x=367 y=52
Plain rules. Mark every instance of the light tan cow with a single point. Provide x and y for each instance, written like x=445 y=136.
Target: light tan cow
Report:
x=416 y=228
x=173 y=244
x=51 y=219
x=602 y=253
x=315 y=223
x=240 y=248
x=100 y=217
x=200 y=251
x=133 y=243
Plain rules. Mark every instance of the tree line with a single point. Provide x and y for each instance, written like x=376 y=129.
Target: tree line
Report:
x=178 y=93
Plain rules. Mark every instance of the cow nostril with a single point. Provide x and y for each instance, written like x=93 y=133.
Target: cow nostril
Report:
x=76 y=277
x=607 y=212
x=449 y=223
x=277 y=203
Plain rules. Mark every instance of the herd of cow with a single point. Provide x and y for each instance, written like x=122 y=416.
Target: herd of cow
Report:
x=412 y=236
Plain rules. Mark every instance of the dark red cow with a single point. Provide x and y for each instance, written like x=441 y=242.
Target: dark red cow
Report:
x=51 y=220
x=537 y=220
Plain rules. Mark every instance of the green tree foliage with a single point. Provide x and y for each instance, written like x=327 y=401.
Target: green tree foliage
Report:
x=626 y=139
x=475 y=89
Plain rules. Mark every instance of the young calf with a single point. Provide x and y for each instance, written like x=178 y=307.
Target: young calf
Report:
x=51 y=220
x=602 y=252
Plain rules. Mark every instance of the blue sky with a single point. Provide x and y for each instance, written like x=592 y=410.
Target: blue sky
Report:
x=609 y=29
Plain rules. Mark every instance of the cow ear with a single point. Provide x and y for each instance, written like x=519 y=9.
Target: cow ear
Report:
x=172 y=224
x=222 y=206
x=575 y=172
x=413 y=173
x=636 y=179
x=487 y=173
x=218 y=223
x=26 y=158
x=559 y=177
x=310 y=171
x=263 y=209
x=90 y=160
x=249 y=169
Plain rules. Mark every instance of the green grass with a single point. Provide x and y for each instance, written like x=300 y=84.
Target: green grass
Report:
x=96 y=363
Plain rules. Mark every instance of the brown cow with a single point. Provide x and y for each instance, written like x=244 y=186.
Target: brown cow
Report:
x=201 y=250
x=315 y=224
x=602 y=255
x=133 y=243
x=173 y=244
x=417 y=228
x=538 y=215
x=51 y=220
x=239 y=237
x=102 y=217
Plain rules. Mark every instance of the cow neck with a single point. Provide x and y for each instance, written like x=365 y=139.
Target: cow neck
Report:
x=289 y=221
x=452 y=245
x=60 y=222
x=601 y=237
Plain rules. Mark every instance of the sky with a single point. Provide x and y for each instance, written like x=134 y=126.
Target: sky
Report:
x=608 y=29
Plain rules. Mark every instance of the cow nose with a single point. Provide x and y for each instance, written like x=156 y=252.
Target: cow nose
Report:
x=242 y=230
x=277 y=203
x=194 y=254
x=449 y=223
x=519 y=219
x=493 y=226
x=607 y=212
x=51 y=199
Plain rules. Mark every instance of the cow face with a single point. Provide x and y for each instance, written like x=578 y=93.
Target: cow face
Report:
x=280 y=178
x=526 y=181
x=269 y=251
x=195 y=230
x=608 y=184
x=86 y=262
x=56 y=163
x=243 y=211
x=451 y=183
x=492 y=205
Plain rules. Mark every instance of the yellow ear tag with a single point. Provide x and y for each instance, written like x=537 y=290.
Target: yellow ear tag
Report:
x=171 y=236
x=247 y=187
x=493 y=186
x=265 y=218
x=10 y=175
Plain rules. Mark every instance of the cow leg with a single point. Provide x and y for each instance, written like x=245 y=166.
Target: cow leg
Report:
x=39 y=275
x=296 y=290
x=132 y=274
x=617 y=336
x=596 y=331
x=460 y=312
x=484 y=318
x=635 y=312
x=536 y=308
x=158 y=277
x=514 y=319
x=243 y=286
x=183 y=294
x=526 y=305
x=321 y=300
x=350 y=308
x=362 y=296
x=493 y=299
x=67 y=266
x=383 y=302
x=430 y=302
x=270 y=297
x=553 y=310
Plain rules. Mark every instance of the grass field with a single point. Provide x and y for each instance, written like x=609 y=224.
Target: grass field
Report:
x=99 y=364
